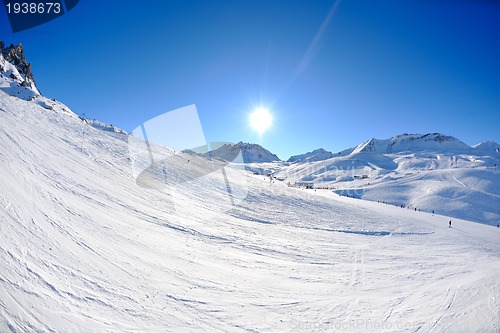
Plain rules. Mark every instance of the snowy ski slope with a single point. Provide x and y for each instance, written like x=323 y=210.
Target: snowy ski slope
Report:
x=85 y=249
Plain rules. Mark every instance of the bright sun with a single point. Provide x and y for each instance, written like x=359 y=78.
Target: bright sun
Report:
x=260 y=120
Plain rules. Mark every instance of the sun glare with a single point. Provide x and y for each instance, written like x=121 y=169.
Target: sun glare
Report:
x=260 y=120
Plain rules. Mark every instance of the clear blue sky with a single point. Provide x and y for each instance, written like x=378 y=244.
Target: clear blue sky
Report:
x=333 y=74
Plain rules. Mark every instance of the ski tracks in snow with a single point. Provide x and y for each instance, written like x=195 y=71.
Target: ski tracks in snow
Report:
x=443 y=309
x=357 y=270
x=458 y=181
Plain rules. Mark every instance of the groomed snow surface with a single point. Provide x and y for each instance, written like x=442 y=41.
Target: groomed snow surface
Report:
x=85 y=249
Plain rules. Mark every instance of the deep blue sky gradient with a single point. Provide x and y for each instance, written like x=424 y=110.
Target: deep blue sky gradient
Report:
x=374 y=69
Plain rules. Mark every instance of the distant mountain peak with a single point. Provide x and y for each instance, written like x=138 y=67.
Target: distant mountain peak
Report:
x=312 y=156
x=487 y=147
x=251 y=152
x=412 y=142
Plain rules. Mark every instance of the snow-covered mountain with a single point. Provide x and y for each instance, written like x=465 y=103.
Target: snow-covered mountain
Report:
x=412 y=143
x=252 y=153
x=430 y=172
x=312 y=156
x=487 y=147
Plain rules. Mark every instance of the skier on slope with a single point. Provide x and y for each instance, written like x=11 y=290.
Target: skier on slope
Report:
x=449 y=224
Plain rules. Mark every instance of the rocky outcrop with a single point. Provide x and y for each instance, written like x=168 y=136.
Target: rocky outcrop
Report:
x=15 y=55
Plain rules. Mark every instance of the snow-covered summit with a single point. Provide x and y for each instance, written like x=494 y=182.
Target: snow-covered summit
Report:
x=251 y=152
x=312 y=156
x=488 y=147
x=434 y=142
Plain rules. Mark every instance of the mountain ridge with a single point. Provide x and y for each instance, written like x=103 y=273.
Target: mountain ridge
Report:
x=315 y=155
x=411 y=143
x=251 y=153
